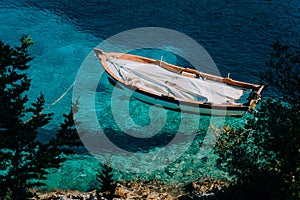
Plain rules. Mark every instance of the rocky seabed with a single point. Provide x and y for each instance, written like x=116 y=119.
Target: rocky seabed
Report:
x=151 y=190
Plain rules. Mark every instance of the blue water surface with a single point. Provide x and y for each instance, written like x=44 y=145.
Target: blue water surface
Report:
x=237 y=34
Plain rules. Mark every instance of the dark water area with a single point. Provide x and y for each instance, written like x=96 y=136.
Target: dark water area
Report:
x=237 y=34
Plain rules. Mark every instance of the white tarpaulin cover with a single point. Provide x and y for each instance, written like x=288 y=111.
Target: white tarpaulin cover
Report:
x=160 y=81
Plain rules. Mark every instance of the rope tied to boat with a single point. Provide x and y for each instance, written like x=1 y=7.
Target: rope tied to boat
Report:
x=53 y=103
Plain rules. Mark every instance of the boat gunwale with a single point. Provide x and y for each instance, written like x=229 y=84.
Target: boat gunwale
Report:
x=246 y=106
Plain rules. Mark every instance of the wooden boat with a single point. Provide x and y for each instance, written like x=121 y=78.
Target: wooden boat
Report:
x=176 y=88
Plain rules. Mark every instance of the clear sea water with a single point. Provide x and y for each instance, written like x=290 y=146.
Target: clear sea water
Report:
x=237 y=34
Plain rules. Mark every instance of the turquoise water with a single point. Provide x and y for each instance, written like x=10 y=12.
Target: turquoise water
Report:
x=59 y=49
x=237 y=36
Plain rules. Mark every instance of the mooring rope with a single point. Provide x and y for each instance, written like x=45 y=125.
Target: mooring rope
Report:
x=53 y=103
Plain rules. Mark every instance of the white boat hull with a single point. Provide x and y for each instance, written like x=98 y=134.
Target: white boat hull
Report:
x=177 y=88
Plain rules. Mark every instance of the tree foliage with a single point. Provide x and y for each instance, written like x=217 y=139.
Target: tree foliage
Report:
x=283 y=73
x=23 y=159
x=107 y=183
x=264 y=154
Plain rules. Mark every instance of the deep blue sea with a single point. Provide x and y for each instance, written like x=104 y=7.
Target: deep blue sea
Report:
x=238 y=35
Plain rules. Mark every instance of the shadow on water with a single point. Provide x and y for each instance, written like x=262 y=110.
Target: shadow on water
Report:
x=134 y=144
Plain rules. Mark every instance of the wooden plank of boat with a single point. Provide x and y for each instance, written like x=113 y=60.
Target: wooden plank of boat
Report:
x=176 y=88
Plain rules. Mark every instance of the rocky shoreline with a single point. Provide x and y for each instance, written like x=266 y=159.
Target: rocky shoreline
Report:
x=152 y=190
